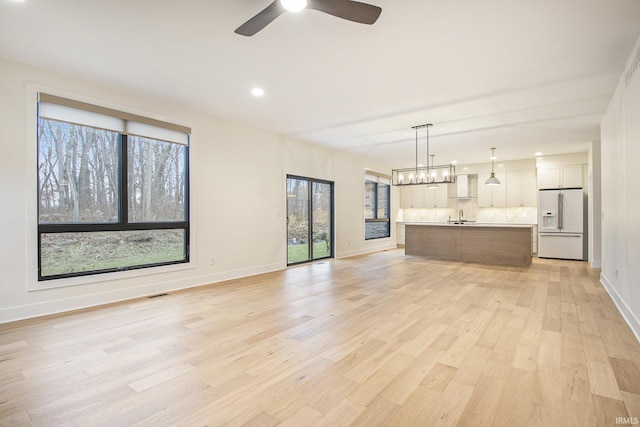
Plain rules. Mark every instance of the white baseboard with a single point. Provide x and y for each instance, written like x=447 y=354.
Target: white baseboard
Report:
x=12 y=314
x=626 y=312
x=366 y=250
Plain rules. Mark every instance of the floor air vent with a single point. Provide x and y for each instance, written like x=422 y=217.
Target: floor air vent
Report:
x=156 y=296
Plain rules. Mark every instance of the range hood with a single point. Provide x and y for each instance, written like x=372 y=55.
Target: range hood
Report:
x=462 y=187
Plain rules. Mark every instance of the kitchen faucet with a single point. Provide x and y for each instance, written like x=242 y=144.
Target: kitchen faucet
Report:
x=460 y=215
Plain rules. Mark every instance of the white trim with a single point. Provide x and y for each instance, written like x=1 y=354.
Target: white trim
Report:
x=30 y=189
x=29 y=311
x=627 y=313
x=108 y=277
x=368 y=249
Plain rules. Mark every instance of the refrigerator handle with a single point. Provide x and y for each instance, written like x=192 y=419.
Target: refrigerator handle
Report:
x=560 y=211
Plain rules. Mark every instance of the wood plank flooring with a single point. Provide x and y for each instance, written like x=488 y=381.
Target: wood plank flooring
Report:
x=376 y=340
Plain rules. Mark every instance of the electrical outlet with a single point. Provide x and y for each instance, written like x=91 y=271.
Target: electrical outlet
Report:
x=212 y=260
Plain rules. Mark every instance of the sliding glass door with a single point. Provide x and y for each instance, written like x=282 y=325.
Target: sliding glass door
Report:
x=309 y=219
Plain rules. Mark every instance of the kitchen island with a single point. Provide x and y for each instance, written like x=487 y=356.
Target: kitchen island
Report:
x=481 y=243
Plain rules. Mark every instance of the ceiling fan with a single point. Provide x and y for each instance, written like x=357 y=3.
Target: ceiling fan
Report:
x=355 y=11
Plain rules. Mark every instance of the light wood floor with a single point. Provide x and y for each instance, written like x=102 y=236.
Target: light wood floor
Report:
x=376 y=340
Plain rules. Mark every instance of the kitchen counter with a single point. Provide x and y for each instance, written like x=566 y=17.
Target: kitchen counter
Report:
x=470 y=224
x=500 y=244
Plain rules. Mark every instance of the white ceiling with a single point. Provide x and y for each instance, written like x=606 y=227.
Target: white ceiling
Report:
x=519 y=75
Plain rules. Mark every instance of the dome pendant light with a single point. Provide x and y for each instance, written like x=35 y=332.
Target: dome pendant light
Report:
x=492 y=180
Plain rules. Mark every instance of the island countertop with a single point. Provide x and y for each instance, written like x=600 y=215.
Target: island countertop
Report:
x=502 y=244
x=470 y=224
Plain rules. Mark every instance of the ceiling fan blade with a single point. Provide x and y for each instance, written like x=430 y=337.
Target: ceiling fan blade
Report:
x=261 y=20
x=347 y=9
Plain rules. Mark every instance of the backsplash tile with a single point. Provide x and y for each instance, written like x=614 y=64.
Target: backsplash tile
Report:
x=471 y=212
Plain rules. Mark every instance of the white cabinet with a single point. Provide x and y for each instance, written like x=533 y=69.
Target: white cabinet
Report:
x=412 y=196
x=419 y=196
x=529 y=188
x=437 y=197
x=400 y=234
x=492 y=195
x=565 y=176
x=514 y=188
x=521 y=188
x=405 y=197
x=549 y=177
x=571 y=176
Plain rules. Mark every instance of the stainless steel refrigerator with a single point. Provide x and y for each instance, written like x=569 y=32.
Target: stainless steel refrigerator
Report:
x=561 y=224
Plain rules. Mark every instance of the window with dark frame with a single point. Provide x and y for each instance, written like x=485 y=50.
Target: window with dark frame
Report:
x=113 y=190
x=377 y=207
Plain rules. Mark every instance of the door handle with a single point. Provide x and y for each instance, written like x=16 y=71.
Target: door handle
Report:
x=560 y=211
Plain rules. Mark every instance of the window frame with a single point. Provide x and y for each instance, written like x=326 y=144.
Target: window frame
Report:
x=122 y=223
x=376 y=179
x=310 y=219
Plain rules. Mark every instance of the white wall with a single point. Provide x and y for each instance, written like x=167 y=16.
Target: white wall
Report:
x=620 y=151
x=238 y=198
x=595 y=205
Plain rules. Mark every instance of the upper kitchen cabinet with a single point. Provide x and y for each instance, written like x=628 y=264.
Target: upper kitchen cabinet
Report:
x=492 y=195
x=437 y=197
x=412 y=196
x=419 y=196
x=562 y=176
x=521 y=187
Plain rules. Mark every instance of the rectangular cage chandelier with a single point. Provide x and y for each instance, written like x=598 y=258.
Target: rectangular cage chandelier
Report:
x=430 y=175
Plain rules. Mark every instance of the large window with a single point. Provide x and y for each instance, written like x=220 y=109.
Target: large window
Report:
x=113 y=190
x=377 y=207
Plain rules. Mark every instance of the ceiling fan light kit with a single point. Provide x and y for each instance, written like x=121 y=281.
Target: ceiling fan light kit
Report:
x=350 y=10
x=294 y=5
x=431 y=175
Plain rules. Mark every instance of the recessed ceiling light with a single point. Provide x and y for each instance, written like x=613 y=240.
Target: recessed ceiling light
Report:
x=454 y=162
x=257 y=92
x=294 y=5
x=537 y=153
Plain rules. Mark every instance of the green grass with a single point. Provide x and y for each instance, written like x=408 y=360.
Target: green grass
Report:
x=298 y=253
x=66 y=253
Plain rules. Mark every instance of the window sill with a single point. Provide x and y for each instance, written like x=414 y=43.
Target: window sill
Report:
x=107 y=277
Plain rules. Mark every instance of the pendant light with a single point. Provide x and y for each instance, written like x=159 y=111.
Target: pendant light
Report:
x=431 y=175
x=492 y=180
